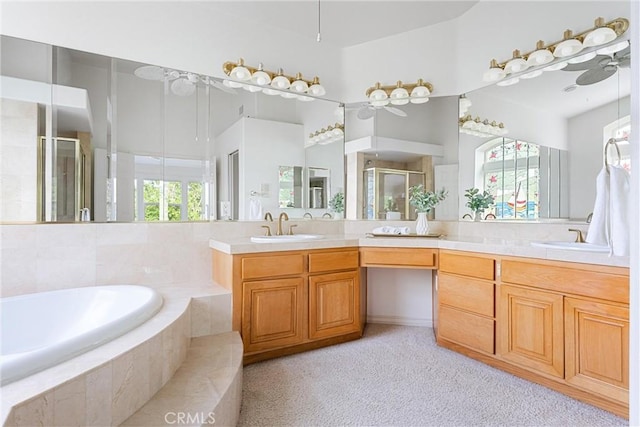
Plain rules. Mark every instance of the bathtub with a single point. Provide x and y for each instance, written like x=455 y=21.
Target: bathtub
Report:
x=43 y=329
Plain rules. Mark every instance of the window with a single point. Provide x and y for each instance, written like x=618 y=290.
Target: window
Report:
x=180 y=196
x=510 y=171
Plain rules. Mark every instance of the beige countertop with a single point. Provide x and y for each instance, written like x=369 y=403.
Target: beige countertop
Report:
x=496 y=246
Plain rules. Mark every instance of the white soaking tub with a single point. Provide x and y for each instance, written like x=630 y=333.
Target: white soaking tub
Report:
x=43 y=329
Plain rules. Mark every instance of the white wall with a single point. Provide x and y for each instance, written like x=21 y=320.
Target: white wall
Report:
x=399 y=296
x=586 y=155
x=18 y=160
x=168 y=34
x=278 y=144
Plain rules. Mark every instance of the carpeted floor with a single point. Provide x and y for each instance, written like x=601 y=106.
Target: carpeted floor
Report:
x=397 y=376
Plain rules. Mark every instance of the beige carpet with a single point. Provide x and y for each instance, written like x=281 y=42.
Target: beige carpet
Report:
x=397 y=376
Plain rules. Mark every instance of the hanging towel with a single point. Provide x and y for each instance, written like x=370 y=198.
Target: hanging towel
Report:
x=610 y=221
x=598 y=233
x=255 y=209
x=619 y=191
x=391 y=230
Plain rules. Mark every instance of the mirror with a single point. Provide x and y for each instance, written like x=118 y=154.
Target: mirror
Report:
x=387 y=153
x=570 y=123
x=159 y=144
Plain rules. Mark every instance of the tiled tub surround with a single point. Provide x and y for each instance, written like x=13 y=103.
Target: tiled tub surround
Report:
x=108 y=384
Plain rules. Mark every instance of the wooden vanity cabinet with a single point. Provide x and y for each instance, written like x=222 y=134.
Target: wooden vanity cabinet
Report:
x=290 y=301
x=466 y=302
x=570 y=321
x=531 y=329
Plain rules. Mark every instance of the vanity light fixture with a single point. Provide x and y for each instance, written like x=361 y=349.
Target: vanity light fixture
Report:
x=400 y=94
x=558 y=54
x=464 y=104
x=271 y=83
x=481 y=128
x=331 y=133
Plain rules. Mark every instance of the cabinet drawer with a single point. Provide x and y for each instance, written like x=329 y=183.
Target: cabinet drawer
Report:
x=332 y=261
x=596 y=284
x=467 y=294
x=467 y=329
x=272 y=266
x=467 y=265
x=398 y=257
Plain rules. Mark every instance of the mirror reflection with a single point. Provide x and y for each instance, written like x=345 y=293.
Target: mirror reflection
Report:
x=154 y=144
x=567 y=119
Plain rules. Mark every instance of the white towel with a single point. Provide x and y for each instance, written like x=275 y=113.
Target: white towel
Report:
x=610 y=221
x=391 y=230
x=255 y=210
x=619 y=210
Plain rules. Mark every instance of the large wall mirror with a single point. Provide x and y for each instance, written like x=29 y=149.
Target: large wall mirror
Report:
x=547 y=163
x=88 y=136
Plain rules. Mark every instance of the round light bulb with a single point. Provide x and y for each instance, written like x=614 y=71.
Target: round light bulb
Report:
x=316 y=88
x=516 y=64
x=494 y=73
x=568 y=46
x=299 y=85
x=399 y=96
x=599 y=36
x=260 y=77
x=541 y=56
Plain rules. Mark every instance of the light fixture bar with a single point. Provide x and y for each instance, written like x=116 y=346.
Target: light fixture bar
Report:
x=619 y=25
x=408 y=86
x=228 y=66
x=331 y=133
x=481 y=127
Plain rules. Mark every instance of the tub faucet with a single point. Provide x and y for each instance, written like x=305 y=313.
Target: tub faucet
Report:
x=326 y=215
x=579 y=236
x=286 y=218
x=307 y=215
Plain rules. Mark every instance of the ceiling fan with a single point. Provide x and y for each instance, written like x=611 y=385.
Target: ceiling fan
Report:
x=600 y=67
x=182 y=83
x=366 y=110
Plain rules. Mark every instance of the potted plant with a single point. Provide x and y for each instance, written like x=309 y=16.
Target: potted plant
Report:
x=424 y=201
x=391 y=208
x=478 y=201
x=336 y=204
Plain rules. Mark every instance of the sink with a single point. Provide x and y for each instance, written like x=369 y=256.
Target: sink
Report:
x=572 y=246
x=287 y=238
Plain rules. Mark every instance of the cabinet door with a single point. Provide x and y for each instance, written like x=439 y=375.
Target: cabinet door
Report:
x=334 y=304
x=597 y=347
x=272 y=313
x=531 y=329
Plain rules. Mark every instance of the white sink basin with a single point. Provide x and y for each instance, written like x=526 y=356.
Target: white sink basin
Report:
x=286 y=238
x=572 y=246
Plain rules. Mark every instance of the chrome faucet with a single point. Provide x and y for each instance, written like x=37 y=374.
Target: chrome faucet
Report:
x=579 y=236
x=286 y=218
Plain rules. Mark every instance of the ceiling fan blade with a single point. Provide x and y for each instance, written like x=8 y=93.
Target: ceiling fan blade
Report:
x=366 y=112
x=150 y=72
x=597 y=61
x=595 y=75
x=218 y=85
x=398 y=112
x=625 y=62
